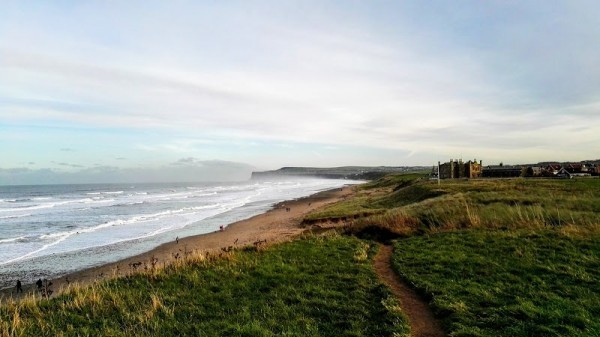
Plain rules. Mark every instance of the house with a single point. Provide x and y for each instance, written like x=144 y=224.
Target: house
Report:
x=574 y=168
x=590 y=168
x=564 y=174
x=553 y=168
x=536 y=171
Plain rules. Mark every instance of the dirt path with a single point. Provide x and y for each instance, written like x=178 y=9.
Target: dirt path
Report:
x=421 y=320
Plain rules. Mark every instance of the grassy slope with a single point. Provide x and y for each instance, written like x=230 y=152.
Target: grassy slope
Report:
x=500 y=257
x=311 y=287
x=509 y=257
x=507 y=283
x=496 y=204
x=370 y=198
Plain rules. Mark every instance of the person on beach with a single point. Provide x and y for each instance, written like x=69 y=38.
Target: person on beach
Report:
x=177 y=239
x=19 y=286
x=39 y=283
x=221 y=228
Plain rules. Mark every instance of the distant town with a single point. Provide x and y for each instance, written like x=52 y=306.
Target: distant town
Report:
x=456 y=169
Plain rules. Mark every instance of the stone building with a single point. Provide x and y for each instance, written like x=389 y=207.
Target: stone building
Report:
x=459 y=169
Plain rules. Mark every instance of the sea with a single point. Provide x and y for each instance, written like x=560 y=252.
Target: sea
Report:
x=47 y=231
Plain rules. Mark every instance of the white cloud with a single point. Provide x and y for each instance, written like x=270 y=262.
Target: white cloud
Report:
x=415 y=81
x=184 y=170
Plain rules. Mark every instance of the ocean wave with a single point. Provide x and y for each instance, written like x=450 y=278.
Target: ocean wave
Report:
x=58 y=237
x=98 y=200
x=32 y=253
x=104 y=192
x=20 y=238
x=24 y=208
x=125 y=204
x=177 y=195
x=54 y=204
x=17 y=200
x=15 y=216
x=186 y=207
x=204 y=194
x=128 y=221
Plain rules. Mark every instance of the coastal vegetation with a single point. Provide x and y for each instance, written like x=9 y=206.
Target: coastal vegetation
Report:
x=509 y=257
x=367 y=200
x=506 y=283
x=424 y=207
x=491 y=257
x=316 y=286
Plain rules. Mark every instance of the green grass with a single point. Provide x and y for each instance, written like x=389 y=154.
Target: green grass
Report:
x=425 y=206
x=503 y=257
x=506 y=257
x=507 y=283
x=395 y=181
x=408 y=195
x=370 y=199
x=359 y=206
x=311 y=287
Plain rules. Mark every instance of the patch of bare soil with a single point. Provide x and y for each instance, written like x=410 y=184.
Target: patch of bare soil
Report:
x=421 y=320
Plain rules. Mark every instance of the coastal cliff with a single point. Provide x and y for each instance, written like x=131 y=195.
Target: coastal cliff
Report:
x=345 y=172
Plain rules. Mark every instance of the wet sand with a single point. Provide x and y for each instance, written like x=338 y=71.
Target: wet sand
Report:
x=281 y=223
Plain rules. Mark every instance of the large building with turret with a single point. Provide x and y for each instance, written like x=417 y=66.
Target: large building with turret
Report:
x=455 y=169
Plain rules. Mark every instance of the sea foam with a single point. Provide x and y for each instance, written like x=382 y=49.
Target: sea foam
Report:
x=61 y=228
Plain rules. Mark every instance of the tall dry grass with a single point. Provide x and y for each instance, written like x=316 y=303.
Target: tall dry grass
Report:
x=496 y=204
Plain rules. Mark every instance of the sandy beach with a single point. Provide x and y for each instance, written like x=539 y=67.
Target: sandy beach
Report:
x=281 y=223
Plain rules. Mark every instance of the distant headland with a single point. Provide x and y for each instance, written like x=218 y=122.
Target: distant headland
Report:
x=344 y=172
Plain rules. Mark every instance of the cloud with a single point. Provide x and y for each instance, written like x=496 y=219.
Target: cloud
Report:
x=192 y=171
x=185 y=161
x=481 y=77
x=67 y=164
x=70 y=165
x=16 y=170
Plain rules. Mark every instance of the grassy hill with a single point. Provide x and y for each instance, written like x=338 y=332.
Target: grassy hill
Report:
x=507 y=283
x=321 y=286
x=492 y=257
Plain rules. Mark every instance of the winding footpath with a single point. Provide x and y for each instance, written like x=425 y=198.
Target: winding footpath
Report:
x=421 y=320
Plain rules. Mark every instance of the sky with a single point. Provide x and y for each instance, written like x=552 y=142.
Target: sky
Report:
x=92 y=88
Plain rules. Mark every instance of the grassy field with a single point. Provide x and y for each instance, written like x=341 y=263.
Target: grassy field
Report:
x=369 y=199
x=423 y=206
x=505 y=257
x=507 y=283
x=311 y=287
x=508 y=257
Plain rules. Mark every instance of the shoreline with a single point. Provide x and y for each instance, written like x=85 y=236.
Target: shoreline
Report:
x=278 y=224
